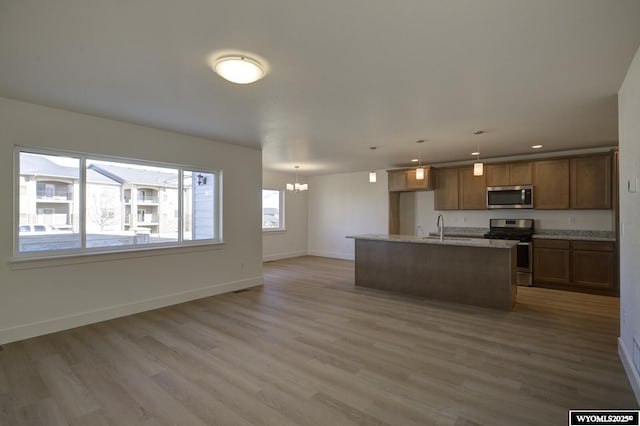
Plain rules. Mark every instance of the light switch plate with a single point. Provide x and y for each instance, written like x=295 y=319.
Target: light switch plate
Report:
x=632 y=185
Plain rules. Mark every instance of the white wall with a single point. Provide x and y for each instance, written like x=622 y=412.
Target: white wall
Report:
x=43 y=296
x=629 y=133
x=293 y=240
x=345 y=204
x=425 y=215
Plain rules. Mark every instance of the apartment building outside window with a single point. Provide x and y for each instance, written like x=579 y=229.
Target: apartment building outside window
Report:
x=95 y=204
x=272 y=210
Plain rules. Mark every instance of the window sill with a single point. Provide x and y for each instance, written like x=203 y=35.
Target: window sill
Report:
x=273 y=231
x=19 y=263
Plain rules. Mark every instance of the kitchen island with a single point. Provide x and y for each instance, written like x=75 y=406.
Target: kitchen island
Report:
x=472 y=271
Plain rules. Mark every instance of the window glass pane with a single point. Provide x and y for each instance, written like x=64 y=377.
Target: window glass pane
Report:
x=49 y=203
x=199 y=205
x=271 y=209
x=129 y=204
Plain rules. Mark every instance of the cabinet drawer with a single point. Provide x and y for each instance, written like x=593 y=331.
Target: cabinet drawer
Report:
x=593 y=245
x=557 y=244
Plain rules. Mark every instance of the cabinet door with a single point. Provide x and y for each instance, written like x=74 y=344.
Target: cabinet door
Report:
x=413 y=183
x=520 y=174
x=446 y=197
x=591 y=182
x=551 y=262
x=473 y=190
x=497 y=174
x=397 y=180
x=593 y=264
x=551 y=180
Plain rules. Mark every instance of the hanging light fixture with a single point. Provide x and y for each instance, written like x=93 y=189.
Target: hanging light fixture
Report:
x=478 y=167
x=297 y=187
x=420 y=169
x=373 y=177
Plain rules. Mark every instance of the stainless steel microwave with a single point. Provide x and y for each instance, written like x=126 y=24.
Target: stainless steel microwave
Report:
x=510 y=197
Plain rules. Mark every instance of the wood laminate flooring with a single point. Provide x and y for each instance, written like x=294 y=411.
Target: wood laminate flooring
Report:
x=309 y=348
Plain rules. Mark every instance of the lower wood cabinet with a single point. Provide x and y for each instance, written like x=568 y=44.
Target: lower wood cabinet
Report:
x=593 y=264
x=552 y=261
x=587 y=266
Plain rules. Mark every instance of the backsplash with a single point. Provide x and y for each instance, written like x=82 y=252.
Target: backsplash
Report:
x=418 y=209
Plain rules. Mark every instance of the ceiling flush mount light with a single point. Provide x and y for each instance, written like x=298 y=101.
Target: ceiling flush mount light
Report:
x=536 y=146
x=420 y=169
x=238 y=69
x=297 y=187
x=373 y=177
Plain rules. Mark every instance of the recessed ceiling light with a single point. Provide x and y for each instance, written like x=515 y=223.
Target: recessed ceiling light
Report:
x=478 y=132
x=238 y=69
x=536 y=146
x=475 y=153
x=414 y=160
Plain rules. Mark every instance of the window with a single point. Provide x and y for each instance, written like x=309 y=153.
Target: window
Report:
x=272 y=210
x=86 y=203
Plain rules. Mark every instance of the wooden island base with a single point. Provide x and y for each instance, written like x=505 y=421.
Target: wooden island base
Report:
x=481 y=276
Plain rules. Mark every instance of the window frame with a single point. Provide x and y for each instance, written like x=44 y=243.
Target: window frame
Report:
x=281 y=212
x=82 y=206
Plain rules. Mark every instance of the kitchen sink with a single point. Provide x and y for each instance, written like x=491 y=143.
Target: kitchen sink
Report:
x=432 y=237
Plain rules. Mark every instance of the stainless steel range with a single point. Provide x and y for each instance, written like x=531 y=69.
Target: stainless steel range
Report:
x=521 y=230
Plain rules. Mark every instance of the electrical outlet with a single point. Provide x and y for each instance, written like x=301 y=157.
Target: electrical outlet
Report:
x=572 y=220
x=465 y=219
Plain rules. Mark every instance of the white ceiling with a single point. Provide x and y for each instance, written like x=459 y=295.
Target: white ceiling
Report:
x=344 y=74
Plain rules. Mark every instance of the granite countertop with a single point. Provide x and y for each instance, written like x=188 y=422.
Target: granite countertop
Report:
x=448 y=240
x=551 y=234
x=576 y=235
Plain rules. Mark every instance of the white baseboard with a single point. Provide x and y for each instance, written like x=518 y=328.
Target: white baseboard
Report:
x=334 y=255
x=20 y=332
x=280 y=256
x=629 y=368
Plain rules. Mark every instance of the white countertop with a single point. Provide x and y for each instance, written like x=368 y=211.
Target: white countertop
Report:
x=450 y=241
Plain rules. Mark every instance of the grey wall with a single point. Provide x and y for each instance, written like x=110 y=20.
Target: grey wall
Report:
x=37 y=297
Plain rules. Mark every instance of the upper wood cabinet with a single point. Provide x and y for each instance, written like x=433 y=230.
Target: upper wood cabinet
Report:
x=551 y=184
x=397 y=180
x=446 y=197
x=520 y=174
x=405 y=180
x=414 y=184
x=509 y=174
x=591 y=182
x=472 y=190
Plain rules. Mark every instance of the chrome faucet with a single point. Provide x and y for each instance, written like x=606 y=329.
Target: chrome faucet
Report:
x=440 y=225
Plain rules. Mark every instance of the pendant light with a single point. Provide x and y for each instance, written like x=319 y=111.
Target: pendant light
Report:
x=373 y=176
x=420 y=169
x=478 y=167
x=297 y=187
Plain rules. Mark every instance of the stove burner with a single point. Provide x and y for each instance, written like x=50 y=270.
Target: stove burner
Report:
x=510 y=229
